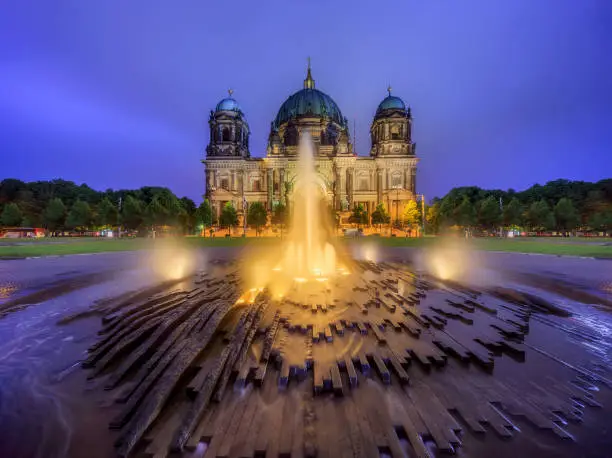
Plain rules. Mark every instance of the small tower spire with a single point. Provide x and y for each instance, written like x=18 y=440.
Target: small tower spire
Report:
x=309 y=83
x=230 y=92
x=389 y=90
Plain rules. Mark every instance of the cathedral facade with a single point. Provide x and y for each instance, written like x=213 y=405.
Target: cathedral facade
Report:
x=387 y=175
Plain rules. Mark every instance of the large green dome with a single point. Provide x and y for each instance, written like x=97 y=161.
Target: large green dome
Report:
x=309 y=102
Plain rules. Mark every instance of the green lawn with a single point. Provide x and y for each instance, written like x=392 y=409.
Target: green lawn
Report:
x=65 y=246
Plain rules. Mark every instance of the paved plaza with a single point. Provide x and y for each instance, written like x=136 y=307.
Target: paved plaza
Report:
x=383 y=359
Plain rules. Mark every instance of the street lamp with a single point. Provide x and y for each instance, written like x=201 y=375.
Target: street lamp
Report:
x=397 y=188
x=422 y=211
x=244 y=216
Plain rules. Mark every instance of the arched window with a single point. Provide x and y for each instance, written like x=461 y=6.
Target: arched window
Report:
x=291 y=136
x=323 y=137
x=226 y=134
x=363 y=184
x=225 y=184
x=396 y=180
x=395 y=132
x=363 y=181
x=256 y=186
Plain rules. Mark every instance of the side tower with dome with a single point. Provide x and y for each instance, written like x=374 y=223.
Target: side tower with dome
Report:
x=387 y=175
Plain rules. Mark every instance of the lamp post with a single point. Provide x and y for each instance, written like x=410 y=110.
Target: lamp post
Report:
x=422 y=211
x=397 y=188
x=244 y=216
x=213 y=188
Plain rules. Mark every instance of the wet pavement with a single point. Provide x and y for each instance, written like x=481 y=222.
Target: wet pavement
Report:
x=48 y=408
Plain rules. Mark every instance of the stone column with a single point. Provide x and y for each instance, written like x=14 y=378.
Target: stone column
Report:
x=233 y=185
x=233 y=133
x=281 y=186
x=337 y=190
x=407 y=181
x=413 y=180
x=270 y=182
x=379 y=186
x=350 y=178
x=207 y=182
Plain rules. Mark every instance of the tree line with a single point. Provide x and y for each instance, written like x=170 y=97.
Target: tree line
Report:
x=60 y=205
x=559 y=205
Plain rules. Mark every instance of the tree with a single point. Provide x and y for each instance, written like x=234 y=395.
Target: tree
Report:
x=80 y=216
x=11 y=215
x=380 y=216
x=465 y=214
x=489 y=214
x=257 y=216
x=107 y=214
x=432 y=217
x=565 y=215
x=229 y=216
x=55 y=214
x=203 y=215
x=359 y=215
x=412 y=215
x=539 y=216
x=601 y=221
x=10 y=188
x=512 y=213
x=279 y=216
x=155 y=213
x=187 y=215
x=132 y=213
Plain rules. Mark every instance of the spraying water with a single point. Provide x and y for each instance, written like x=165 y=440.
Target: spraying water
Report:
x=309 y=252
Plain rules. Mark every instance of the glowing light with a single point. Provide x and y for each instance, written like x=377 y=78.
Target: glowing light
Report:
x=321 y=279
x=343 y=271
x=277 y=269
x=300 y=280
x=171 y=260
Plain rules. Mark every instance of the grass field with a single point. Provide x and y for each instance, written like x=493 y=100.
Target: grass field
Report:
x=20 y=248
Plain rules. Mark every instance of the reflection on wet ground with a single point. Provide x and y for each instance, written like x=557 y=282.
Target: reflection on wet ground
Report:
x=45 y=395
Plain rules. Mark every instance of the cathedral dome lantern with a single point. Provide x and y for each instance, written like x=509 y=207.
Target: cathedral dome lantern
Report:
x=391 y=128
x=229 y=130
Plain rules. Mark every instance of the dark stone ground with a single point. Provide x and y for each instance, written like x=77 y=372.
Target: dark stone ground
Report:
x=539 y=386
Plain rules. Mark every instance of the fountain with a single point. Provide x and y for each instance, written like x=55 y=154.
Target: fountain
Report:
x=309 y=251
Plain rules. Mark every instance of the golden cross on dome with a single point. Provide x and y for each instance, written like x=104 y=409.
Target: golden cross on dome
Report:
x=309 y=83
x=389 y=89
x=230 y=92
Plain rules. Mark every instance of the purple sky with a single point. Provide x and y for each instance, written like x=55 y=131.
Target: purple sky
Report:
x=117 y=93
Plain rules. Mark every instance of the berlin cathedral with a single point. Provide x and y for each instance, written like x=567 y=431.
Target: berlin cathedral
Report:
x=387 y=175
